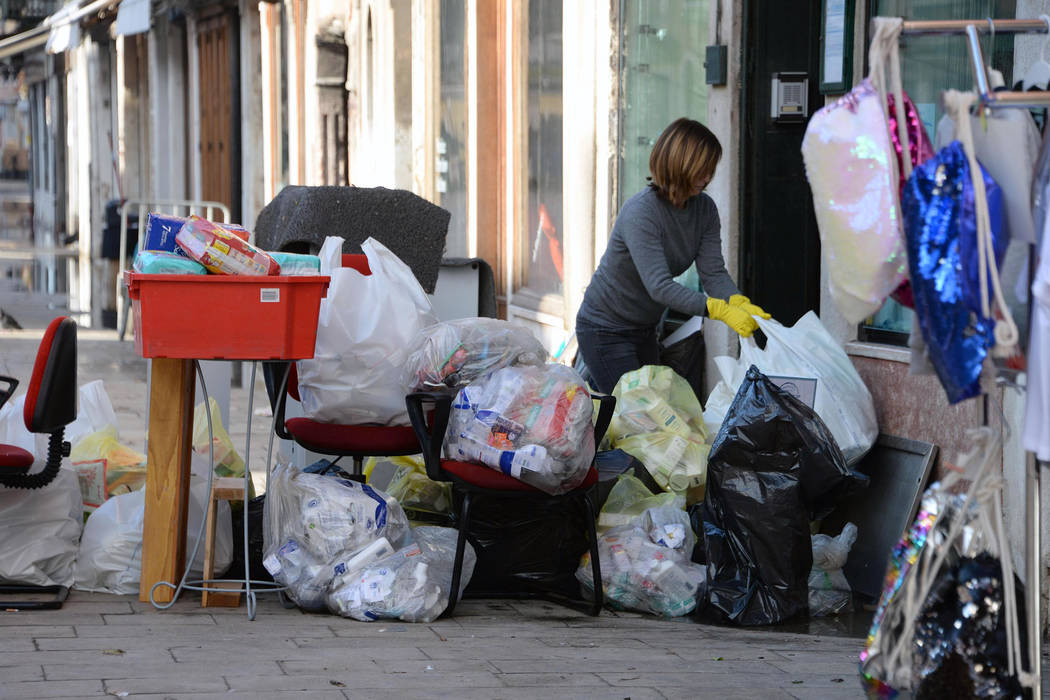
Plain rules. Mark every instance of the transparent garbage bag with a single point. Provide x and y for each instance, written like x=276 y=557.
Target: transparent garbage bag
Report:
x=646 y=565
x=415 y=491
x=455 y=353
x=532 y=423
x=409 y=584
x=39 y=532
x=659 y=421
x=628 y=501
x=316 y=523
x=829 y=591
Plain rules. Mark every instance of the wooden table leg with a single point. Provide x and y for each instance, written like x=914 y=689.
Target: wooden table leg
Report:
x=169 y=446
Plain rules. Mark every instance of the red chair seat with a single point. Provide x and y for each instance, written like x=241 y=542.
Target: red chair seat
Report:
x=488 y=478
x=15 y=458
x=329 y=438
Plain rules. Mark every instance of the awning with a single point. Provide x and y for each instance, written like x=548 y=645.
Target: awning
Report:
x=132 y=17
x=59 y=22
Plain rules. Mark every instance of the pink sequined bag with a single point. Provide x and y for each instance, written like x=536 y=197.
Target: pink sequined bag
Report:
x=853 y=173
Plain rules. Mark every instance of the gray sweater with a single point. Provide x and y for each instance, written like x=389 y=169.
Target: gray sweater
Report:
x=652 y=242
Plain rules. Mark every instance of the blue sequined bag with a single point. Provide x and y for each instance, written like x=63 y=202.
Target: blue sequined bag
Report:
x=940 y=225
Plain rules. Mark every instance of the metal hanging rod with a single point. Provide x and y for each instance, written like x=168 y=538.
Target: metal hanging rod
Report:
x=1004 y=98
x=983 y=26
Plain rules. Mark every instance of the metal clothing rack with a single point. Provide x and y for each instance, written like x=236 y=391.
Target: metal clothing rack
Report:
x=1000 y=100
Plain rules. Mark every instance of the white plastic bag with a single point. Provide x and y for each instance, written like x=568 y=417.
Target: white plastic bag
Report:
x=94 y=412
x=13 y=431
x=365 y=330
x=110 y=556
x=410 y=584
x=532 y=423
x=39 y=532
x=315 y=525
x=829 y=591
x=804 y=350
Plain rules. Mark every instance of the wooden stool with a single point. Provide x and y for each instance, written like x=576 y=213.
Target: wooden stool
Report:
x=227 y=488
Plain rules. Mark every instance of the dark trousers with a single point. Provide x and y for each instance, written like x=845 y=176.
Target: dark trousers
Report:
x=609 y=354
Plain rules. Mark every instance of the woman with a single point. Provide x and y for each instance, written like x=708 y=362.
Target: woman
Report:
x=661 y=231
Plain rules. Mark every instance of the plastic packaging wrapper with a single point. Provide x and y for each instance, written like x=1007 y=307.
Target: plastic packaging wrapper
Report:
x=532 y=423
x=805 y=350
x=228 y=462
x=365 y=329
x=297 y=264
x=629 y=499
x=941 y=227
x=421 y=497
x=646 y=565
x=158 y=262
x=774 y=467
x=829 y=591
x=222 y=251
x=454 y=353
x=527 y=545
x=110 y=555
x=315 y=524
x=659 y=421
x=40 y=531
x=411 y=584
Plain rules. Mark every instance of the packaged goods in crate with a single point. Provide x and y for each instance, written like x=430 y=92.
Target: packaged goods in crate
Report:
x=158 y=262
x=161 y=230
x=297 y=263
x=221 y=251
x=455 y=353
x=532 y=423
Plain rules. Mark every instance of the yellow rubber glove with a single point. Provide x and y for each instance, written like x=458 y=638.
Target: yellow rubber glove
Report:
x=742 y=302
x=733 y=316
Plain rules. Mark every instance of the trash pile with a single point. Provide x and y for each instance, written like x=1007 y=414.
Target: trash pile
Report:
x=340 y=545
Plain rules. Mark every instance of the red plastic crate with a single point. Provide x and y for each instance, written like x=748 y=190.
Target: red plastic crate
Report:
x=225 y=317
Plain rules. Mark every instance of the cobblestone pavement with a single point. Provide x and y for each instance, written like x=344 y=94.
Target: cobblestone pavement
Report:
x=99 y=645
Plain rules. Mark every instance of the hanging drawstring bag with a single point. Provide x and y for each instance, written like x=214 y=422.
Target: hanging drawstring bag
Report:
x=949 y=595
x=953 y=224
x=853 y=173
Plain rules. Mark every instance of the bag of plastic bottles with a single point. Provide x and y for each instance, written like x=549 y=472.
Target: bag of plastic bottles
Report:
x=646 y=565
x=829 y=591
x=315 y=524
x=628 y=501
x=454 y=353
x=533 y=423
x=658 y=420
x=409 y=584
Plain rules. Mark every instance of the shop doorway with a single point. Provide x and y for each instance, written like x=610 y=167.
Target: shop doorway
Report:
x=220 y=110
x=780 y=247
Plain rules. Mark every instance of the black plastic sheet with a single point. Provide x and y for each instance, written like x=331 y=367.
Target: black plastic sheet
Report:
x=773 y=467
x=526 y=545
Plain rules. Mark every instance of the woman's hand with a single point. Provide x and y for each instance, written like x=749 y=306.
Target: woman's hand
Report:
x=733 y=316
x=742 y=302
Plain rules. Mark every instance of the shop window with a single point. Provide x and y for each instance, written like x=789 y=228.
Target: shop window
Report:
x=930 y=65
x=451 y=162
x=538 y=248
x=661 y=78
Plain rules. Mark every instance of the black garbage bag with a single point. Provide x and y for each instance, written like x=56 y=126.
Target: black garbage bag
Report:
x=686 y=357
x=774 y=466
x=256 y=569
x=526 y=545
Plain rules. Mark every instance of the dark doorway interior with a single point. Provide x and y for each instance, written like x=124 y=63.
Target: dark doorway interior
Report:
x=780 y=247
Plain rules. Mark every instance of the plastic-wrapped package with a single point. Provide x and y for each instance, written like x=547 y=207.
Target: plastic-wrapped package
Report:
x=829 y=591
x=532 y=423
x=418 y=494
x=297 y=264
x=658 y=420
x=158 y=262
x=629 y=499
x=221 y=251
x=411 y=584
x=646 y=565
x=315 y=524
x=455 y=353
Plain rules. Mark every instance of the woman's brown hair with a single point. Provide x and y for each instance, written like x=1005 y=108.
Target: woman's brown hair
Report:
x=685 y=153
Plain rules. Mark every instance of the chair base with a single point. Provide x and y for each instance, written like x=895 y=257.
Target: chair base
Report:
x=60 y=594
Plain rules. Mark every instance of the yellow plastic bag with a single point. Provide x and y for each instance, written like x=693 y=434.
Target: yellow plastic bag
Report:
x=411 y=486
x=659 y=421
x=227 y=460
x=105 y=467
x=630 y=498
